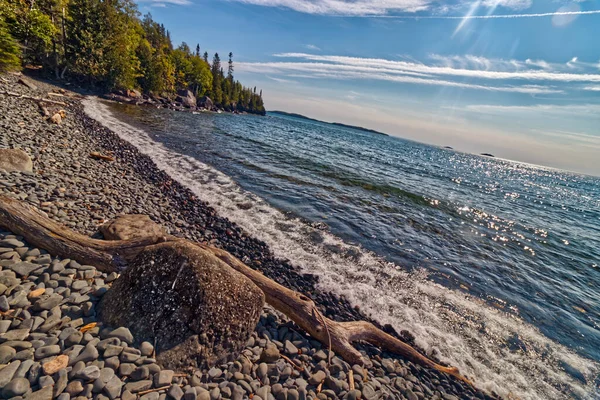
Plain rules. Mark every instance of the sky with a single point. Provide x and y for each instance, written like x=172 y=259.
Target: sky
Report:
x=516 y=78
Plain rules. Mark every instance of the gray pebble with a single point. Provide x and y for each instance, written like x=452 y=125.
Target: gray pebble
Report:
x=47 y=351
x=175 y=392
x=140 y=373
x=7 y=373
x=163 y=378
x=113 y=387
x=7 y=353
x=89 y=373
x=138 y=386
x=16 y=387
x=146 y=349
x=123 y=334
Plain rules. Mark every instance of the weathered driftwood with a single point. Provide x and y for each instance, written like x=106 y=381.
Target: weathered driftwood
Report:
x=39 y=230
x=22 y=96
x=100 y=156
x=114 y=255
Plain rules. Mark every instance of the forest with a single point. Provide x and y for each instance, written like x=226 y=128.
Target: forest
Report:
x=105 y=45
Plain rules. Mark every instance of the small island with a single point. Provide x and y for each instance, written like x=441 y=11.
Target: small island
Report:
x=359 y=128
x=488 y=155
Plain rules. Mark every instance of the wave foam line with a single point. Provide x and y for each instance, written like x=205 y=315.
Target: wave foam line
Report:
x=462 y=329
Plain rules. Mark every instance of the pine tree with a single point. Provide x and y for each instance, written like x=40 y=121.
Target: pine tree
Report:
x=9 y=50
x=198 y=50
x=206 y=57
x=230 y=67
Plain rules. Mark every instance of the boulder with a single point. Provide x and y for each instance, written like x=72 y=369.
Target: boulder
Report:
x=206 y=102
x=15 y=160
x=131 y=226
x=197 y=310
x=186 y=97
x=134 y=94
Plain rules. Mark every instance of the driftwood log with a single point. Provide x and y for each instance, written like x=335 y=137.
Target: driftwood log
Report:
x=109 y=256
x=38 y=99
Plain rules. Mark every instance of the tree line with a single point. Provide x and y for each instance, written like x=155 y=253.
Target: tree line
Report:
x=105 y=44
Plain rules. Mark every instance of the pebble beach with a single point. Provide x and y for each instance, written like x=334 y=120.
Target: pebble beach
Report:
x=53 y=346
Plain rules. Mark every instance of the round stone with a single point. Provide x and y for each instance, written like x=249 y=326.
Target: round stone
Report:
x=7 y=353
x=16 y=387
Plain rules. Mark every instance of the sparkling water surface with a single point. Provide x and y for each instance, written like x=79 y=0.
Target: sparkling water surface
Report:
x=493 y=264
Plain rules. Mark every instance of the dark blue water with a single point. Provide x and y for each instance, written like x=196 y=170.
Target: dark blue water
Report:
x=522 y=238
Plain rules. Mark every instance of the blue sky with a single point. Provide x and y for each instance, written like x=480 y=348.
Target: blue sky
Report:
x=517 y=78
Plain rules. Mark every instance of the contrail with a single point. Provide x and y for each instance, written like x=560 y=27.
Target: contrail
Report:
x=497 y=16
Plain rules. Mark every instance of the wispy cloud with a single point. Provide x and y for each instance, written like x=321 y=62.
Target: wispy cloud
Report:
x=379 y=7
x=312 y=47
x=467 y=72
x=281 y=80
x=391 y=8
x=345 y=7
x=163 y=3
x=571 y=109
x=420 y=69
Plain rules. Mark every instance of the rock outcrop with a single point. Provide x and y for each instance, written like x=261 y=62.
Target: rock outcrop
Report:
x=15 y=160
x=186 y=97
x=197 y=309
x=206 y=102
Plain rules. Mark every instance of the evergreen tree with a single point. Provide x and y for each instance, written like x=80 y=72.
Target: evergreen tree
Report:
x=9 y=50
x=106 y=44
x=230 y=67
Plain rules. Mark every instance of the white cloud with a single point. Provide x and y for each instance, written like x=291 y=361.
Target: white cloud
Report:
x=513 y=4
x=345 y=72
x=592 y=88
x=387 y=8
x=538 y=63
x=162 y=3
x=419 y=69
x=281 y=80
x=553 y=109
x=312 y=47
x=345 y=7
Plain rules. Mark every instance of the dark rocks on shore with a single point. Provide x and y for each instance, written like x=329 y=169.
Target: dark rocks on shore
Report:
x=187 y=98
x=206 y=102
x=83 y=194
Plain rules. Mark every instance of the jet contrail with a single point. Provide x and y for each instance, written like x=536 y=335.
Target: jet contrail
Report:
x=550 y=14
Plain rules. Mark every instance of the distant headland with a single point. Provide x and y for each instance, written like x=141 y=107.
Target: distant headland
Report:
x=360 y=128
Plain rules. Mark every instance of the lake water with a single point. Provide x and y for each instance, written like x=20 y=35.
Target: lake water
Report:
x=492 y=264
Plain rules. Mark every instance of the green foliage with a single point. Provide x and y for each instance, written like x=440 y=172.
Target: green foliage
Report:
x=30 y=26
x=9 y=50
x=106 y=44
x=102 y=38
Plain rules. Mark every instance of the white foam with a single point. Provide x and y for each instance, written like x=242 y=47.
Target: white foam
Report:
x=463 y=330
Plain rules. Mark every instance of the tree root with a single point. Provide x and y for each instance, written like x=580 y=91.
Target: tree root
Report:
x=114 y=255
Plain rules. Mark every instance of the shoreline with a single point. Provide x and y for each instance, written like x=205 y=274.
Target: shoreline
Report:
x=133 y=184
